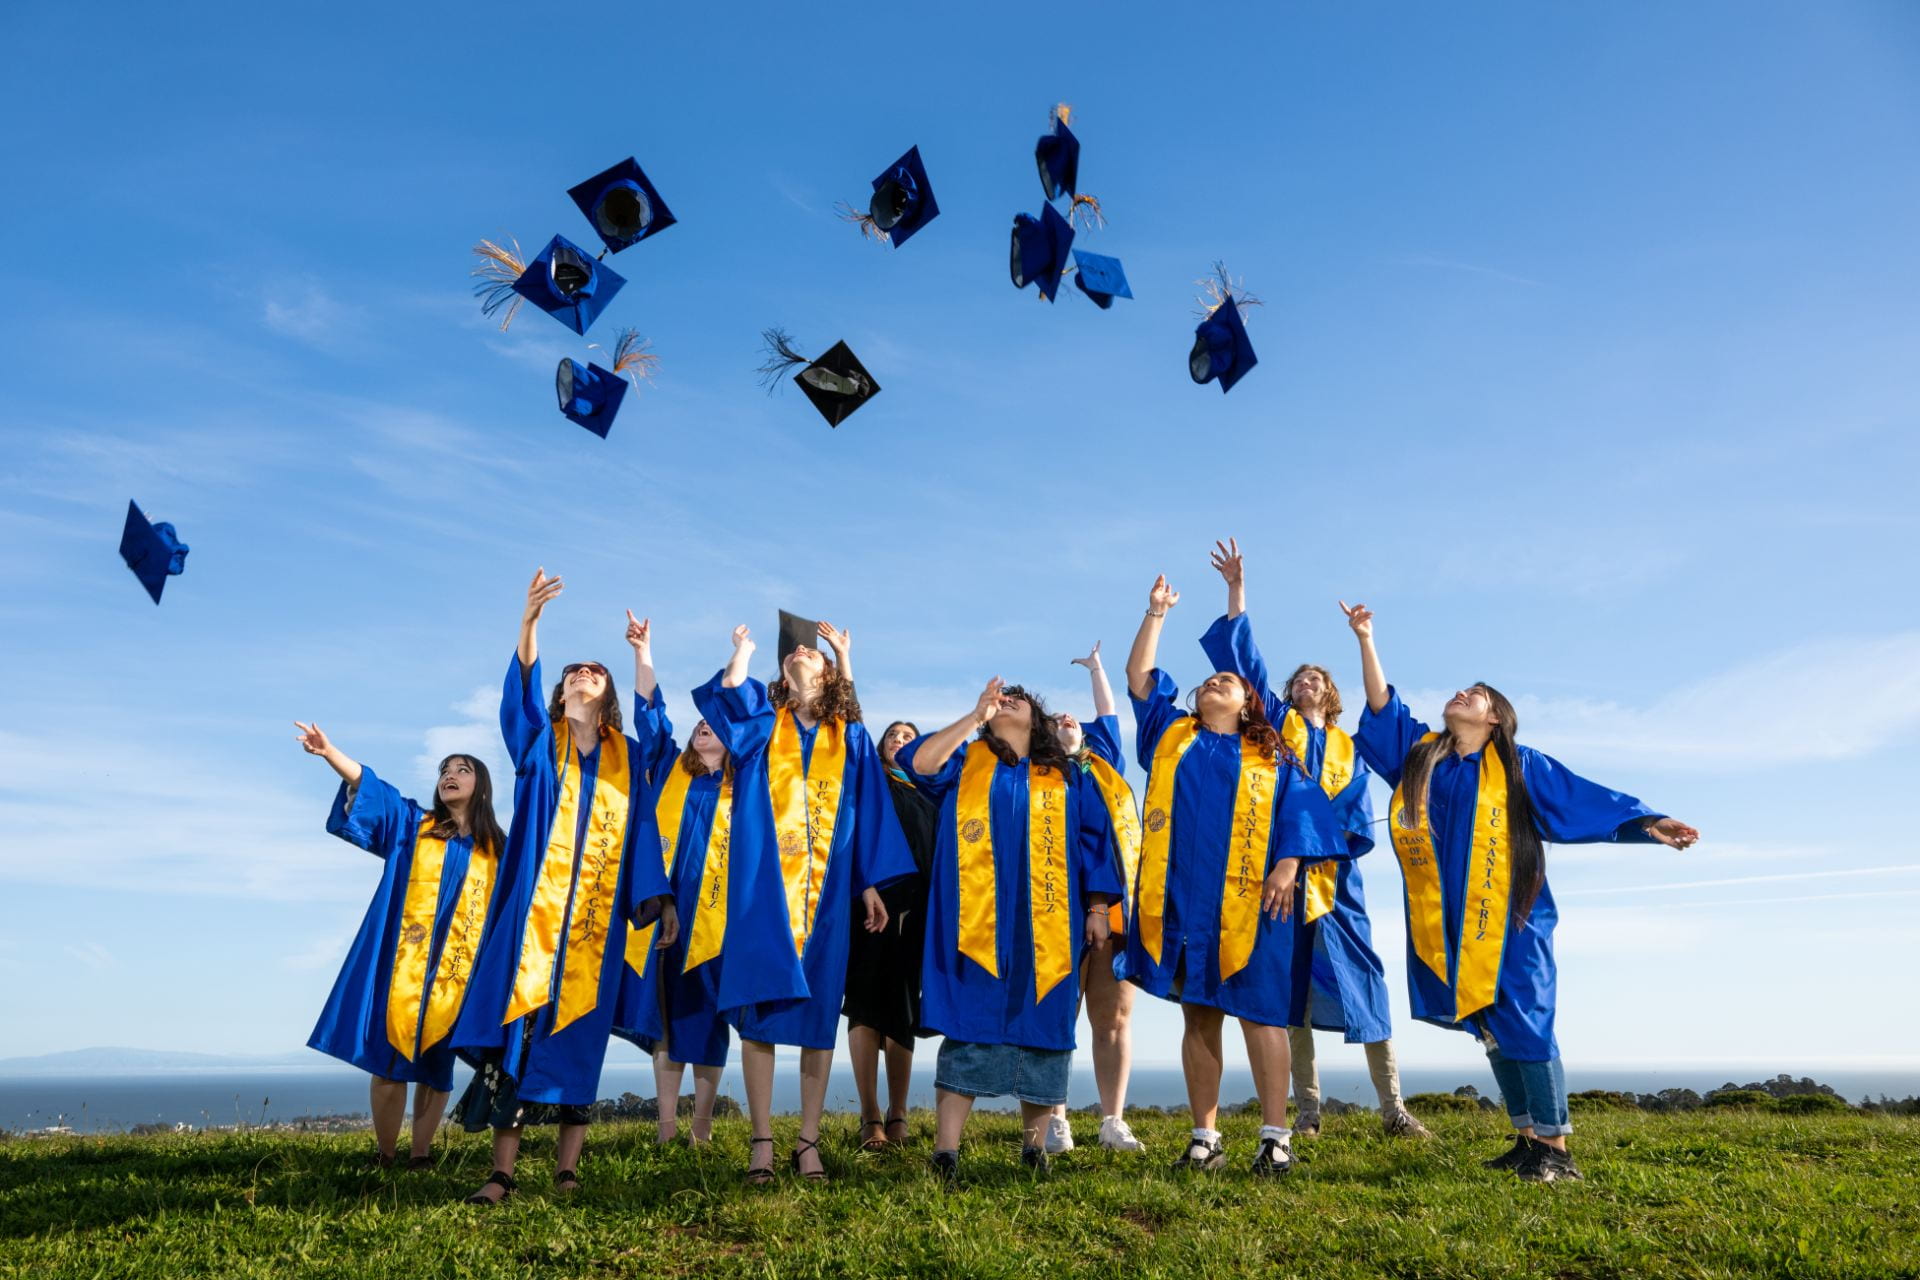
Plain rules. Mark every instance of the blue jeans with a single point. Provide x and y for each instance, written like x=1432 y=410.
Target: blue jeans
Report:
x=1535 y=1093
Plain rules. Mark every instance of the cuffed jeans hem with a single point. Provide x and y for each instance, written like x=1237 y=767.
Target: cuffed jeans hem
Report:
x=1552 y=1130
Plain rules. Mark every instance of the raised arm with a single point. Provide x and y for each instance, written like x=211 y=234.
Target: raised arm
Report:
x=540 y=592
x=640 y=636
x=314 y=741
x=1360 y=618
x=937 y=748
x=735 y=673
x=841 y=642
x=1226 y=558
x=1097 y=676
x=1146 y=643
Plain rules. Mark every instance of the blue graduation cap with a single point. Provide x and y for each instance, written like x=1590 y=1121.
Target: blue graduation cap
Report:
x=563 y=282
x=589 y=395
x=1221 y=352
x=1057 y=155
x=1039 y=251
x=622 y=205
x=153 y=551
x=902 y=200
x=1100 y=278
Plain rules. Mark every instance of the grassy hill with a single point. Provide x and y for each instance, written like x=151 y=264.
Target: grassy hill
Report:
x=1702 y=1194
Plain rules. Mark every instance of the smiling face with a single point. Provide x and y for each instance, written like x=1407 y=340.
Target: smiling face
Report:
x=584 y=681
x=705 y=741
x=457 y=781
x=1470 y=708
x=804 y=666
x=1072 y=736
x=1221 y=695
x=1308 y=688
x=898 y=735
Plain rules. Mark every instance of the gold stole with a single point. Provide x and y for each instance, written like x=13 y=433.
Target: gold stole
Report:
x=710 y=912
x=408 y=985
x=1336 y=771
x=1126 y=827
x=806 y=804
x=1483 y=929
x=587 y=923
x=1251 y=833
x=1048 y=843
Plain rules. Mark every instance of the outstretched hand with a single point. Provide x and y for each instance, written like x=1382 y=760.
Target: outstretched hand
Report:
x=987 y=706
x=639 y=633
x=1226 y=558
x=841 y=642
x=1091 y=662
x=540 y=592
x=1162 y=597
x=1360 y=618
x=742 y=638
x=1671 y=832
x=312 y=739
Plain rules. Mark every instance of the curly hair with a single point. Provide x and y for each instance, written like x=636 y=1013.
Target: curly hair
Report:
x=1254 y=725
x=1043 y=744
x=608 y=707
x=835 y=699
x=1330 y=704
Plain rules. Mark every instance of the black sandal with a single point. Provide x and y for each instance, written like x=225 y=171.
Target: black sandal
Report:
x=495 y=1179
x=905 y=1137
x=879 y=1141
x=805 y=1144
x=417 y=1163
x=758 y=1177
x=566 y=1180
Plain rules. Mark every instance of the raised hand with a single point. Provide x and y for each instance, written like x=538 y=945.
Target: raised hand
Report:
x=540 y=593
x=1162 y=597
x=1360 y=618
x=1276 y=894
x=1226 y=558
x=841 y=642
x=312 y=739
x=1091 y=662
x=1671 y=832
x=987 y=706
x=742 y=638
x=639 y=633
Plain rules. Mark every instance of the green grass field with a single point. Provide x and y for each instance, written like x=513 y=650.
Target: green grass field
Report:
x=1710 y=1193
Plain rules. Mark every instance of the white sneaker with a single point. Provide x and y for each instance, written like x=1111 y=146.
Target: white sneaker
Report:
x=1059 y=1135
x=1115 y=1136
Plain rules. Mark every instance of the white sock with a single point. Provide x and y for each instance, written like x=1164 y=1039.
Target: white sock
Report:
x=1205 y=1135
x=1279 y=1133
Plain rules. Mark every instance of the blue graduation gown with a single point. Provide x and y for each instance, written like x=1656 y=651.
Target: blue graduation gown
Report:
x=959 y=998
x=353 y=1025
x=562 y=1067
x=1102 y=735
x=1348 y=989
x=1567 y=809
x=869 y=850
x=689 y=1027
x=1271 y=989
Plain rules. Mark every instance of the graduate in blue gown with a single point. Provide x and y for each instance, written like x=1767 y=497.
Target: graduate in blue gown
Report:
x=546 y=986
x=1471 y=809
x=815 y=833
x=1231 y=819
x=395 y=1001
x=668 y=1008
x=1347 y=991
x=1094 y=746
x=1023 y=875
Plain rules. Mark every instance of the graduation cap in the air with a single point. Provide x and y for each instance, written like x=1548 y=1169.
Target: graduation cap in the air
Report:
x=590 y=395
x=837 y=383
x=1100 y=278
x=1039 y=253
x=796 y=632
x=563 y=282
x=153 y=551
x=622 y=205
x=1057 y=155
x=902 y=202
x=1221 y=352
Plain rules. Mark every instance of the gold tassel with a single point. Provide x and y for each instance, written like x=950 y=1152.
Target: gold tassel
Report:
x=868 y=228
x=499 y=267
x=1086 y=212
x=1218 y=287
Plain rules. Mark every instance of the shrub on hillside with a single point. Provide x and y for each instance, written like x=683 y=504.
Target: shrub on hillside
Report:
x=1431 y=1102
x=1602 y=1100
x=1813 y=1104
x=1741 y=1098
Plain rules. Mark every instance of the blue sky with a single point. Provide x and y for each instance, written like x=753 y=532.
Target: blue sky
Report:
x=1586 y=358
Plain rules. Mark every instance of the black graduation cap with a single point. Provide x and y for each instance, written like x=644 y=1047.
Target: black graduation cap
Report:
x=796 y=632
x=590 y=395
x=562 y=281
x=837 y=383
x=1221 y=351
x=153 y=551
x=1039 y=252
x=902 y=202
x=1100 y=278
x=1057 y=155
x=622 y=205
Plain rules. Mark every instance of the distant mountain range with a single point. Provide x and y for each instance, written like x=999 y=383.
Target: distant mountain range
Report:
x=119 y=1061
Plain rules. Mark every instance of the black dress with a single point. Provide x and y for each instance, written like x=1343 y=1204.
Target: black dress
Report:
x=883 y=969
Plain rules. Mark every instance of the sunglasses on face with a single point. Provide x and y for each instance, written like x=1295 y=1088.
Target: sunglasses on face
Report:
x=567 y=671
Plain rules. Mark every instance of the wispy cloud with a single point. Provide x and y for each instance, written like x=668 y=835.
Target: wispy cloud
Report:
x=308 y=313
x=1668 y=886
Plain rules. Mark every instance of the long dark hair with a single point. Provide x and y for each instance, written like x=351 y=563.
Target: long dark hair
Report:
x=608 y=707
x=1254 y=725
x=697 y=766
x=1043 y=748
x=487 y=835
x=834 y=699
x=891 y=726
x=1529 y=854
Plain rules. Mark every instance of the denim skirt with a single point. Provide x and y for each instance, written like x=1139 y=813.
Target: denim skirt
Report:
x=1038 y=1076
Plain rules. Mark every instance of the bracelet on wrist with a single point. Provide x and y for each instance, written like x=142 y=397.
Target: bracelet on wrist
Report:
x=1152 y=614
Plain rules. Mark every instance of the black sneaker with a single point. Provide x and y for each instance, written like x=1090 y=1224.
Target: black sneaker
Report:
x=1513 y=1157
x=1201 y=1154
x=1275 y=1158
x=1548 y=1164
x=945 y=1165
x=1034 y=1158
